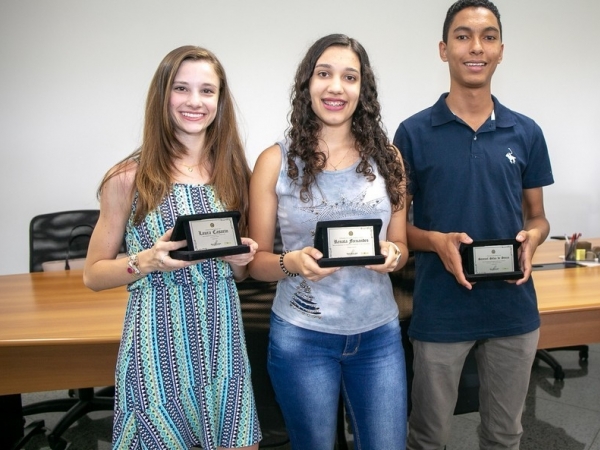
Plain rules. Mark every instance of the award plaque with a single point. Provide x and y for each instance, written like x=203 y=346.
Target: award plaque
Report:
x=208 y=236
x=495 y=259
x=348 y=242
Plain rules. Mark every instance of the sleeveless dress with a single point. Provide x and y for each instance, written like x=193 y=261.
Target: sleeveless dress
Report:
x=182 y=376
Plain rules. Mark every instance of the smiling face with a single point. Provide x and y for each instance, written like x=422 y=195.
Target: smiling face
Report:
x=335 y=86
x=474 y=48
x=194 y=98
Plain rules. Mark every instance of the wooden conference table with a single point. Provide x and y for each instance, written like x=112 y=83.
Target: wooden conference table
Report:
x=57 y=334
x=568 y=299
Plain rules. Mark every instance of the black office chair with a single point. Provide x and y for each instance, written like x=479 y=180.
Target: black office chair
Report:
x=403 y=283
x=256 y=298
x=559 y=373
x=59 y=241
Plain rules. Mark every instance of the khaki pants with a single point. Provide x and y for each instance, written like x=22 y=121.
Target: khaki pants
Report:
x=504 y=366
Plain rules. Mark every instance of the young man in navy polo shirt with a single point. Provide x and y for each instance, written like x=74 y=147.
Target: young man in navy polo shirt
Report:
x=476 y=170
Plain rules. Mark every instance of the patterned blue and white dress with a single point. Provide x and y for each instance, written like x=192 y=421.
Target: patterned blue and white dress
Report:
x=182 y=377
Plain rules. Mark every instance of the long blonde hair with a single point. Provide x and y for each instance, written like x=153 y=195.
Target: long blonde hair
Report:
x=224 y=151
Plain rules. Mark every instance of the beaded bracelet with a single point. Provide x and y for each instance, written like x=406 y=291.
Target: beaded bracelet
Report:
x=283 y=269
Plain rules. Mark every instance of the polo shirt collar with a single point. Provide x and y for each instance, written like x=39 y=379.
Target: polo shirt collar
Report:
x=441 y=114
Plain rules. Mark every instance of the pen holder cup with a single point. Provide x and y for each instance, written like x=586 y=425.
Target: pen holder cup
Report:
x=578 y=251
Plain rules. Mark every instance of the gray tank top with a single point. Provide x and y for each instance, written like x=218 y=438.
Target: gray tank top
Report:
x=354 y=299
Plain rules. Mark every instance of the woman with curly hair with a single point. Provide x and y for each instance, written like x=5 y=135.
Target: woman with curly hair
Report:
x=334 y=330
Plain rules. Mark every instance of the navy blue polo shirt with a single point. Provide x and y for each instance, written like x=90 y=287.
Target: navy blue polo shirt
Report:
x=472 y=182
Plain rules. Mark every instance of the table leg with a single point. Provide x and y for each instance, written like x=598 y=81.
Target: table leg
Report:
x=12 y=422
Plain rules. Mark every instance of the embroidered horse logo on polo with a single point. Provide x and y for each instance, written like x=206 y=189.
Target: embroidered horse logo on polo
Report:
x=512 y=158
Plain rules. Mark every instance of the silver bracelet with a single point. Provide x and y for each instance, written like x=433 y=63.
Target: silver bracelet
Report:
x=398 y=252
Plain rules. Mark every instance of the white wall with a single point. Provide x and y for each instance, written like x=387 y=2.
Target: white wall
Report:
x=74 y=76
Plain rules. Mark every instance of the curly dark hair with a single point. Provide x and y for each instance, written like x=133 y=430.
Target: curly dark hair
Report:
x=462 y=4
x=367 y=129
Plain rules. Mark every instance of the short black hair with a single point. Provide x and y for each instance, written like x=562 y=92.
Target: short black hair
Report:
x=462 y=4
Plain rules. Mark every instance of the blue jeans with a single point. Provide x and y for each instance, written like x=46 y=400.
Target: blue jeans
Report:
x=309 y=369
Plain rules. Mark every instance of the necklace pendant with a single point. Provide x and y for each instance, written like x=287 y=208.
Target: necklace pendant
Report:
x=190 y=169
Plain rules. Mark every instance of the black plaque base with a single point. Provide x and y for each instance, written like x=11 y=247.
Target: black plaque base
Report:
x=193 y=255
x=496 y=277
x=358 y=261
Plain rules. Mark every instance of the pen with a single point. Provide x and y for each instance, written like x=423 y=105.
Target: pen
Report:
x=571 y=247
